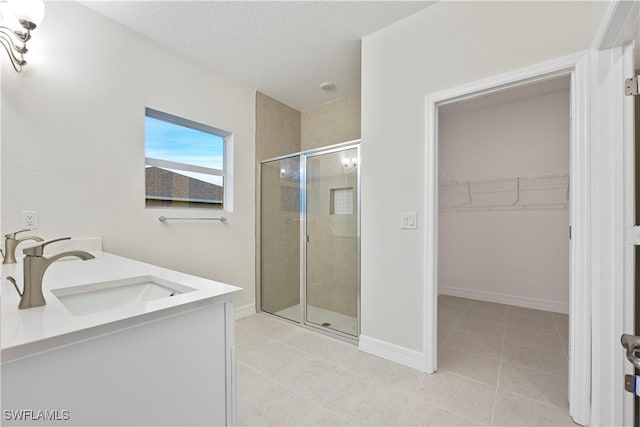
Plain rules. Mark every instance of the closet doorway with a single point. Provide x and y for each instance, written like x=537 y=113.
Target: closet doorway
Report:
x=503 y=239
x=575 y=68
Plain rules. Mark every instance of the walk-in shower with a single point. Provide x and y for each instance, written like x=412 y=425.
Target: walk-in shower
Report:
x=310 y=254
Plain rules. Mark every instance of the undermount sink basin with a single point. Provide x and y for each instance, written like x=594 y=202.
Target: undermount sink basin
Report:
x=96 y=297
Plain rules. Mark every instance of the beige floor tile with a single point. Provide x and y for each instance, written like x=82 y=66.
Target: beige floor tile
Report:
x=418 y=413
x=461 y=396
x=272 y=358
x=482 y=328
x=275 y=328
x=443 y=338
x=342 y=353
x=534 y=338
x=323 y=417
x=512 y=410
x=484 y=345
x=546 y=388
x=288 y=375
x=453 y=302
x=562 y=320
x=255 y=321
x=365 y=402
x=248 y=378
x=526 y=318
x=398 y=378
x=314 y=378
x=552 y=362
x=272 y=405
x=485 y=315
x=449 y=317
x=305 y=340
x=248 y=341
x=488 y=306
x=465 y=362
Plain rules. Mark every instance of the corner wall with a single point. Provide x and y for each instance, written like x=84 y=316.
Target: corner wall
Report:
x=445 y=45
x=332 y=123
x=73 y=145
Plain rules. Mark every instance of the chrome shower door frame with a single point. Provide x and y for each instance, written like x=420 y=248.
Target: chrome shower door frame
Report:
x=304 y=156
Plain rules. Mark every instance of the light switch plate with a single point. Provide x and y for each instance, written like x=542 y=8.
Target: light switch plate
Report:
x=408 y=220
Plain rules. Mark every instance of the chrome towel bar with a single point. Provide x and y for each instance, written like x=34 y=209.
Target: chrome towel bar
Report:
x=163 y=218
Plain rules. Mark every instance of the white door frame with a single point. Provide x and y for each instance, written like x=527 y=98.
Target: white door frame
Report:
x=613 y=284
x=577 y=66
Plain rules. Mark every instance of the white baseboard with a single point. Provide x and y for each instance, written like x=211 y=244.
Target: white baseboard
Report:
x=395 y=353
x=519 y=301
x=245 y=310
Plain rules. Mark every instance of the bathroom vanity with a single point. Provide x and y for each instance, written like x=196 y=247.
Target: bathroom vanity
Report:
x=120 y=343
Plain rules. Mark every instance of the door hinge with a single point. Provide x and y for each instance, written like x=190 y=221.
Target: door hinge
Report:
x=631 y=384
x=633 y=235
x=631 y=86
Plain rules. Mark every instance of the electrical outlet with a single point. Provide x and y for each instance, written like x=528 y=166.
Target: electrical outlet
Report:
x=30 y=219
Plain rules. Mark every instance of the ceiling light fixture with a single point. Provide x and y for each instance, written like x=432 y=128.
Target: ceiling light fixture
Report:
x=17 y=19
x=327 y=86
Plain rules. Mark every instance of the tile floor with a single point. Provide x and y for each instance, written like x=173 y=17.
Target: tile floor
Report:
x=498 y=365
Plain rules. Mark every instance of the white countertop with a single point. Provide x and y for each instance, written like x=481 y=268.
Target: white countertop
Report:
x=25 y=332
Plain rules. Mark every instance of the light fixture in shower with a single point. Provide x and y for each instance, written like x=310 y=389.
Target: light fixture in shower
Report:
x=349 y=163
x=17 y=19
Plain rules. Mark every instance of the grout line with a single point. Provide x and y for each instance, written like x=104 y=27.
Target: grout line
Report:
x=472 y=420
x=495 y=399
x=536 y=400
x=555 y=322
x=524 y=396
x=540 y=371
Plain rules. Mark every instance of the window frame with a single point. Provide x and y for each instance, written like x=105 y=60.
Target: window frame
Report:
x=225 y=172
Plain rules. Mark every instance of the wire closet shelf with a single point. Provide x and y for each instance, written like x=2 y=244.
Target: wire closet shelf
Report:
x=514 y=193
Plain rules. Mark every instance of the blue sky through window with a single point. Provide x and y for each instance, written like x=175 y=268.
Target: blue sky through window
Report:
x=169 y=141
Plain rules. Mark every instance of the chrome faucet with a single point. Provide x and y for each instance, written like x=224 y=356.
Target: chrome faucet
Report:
x=35 y=265
x=11 y=243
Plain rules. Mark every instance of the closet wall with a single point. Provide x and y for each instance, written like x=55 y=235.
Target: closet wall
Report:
x=508 y=255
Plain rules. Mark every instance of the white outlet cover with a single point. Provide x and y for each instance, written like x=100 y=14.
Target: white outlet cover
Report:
x=30 y=219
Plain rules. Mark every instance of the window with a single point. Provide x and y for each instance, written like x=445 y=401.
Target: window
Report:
x=184 y=162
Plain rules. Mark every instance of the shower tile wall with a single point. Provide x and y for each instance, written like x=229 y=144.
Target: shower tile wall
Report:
x=332 y=252
x=277 y=134
x=331 y=123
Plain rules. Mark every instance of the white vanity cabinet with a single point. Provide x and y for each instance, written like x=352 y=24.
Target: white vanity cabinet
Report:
x=167 y=364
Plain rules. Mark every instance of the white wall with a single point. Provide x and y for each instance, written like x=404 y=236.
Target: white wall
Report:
x=445 y=45
x=73 y=144
x=518 y=257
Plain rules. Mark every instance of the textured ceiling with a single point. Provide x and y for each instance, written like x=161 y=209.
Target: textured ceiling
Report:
x=284 y=49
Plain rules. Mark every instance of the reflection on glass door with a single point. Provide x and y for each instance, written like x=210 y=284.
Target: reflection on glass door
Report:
x=332 y=257
x=280 y=238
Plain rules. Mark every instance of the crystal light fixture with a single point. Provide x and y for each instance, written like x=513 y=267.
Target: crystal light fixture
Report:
x=17 y=19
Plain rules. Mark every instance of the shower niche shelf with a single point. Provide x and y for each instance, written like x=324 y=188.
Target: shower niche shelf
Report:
x=513 y=193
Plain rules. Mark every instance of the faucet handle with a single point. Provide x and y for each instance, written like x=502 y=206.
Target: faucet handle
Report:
x=13 y=235
x=38 y=250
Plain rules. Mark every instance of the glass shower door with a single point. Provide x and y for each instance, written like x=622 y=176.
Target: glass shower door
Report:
x=332 y=254
x=280 y=238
